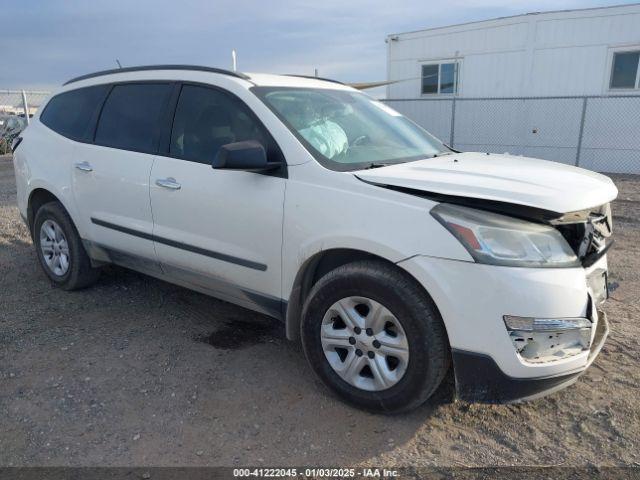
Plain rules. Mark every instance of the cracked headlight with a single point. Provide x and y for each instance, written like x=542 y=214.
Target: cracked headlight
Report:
x=501 y=240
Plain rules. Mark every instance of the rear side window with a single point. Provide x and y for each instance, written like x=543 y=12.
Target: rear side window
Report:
x=70 y=113
x=130 y=118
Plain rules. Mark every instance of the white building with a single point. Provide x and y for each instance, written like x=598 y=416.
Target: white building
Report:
x=563 y=86
x=574 y=52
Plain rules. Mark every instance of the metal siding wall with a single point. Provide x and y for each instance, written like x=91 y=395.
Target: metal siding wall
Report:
x=568 y=71
x=502 y=74
x=555 y=53
x=587 y=28
x=409 y=87
x=493 y=58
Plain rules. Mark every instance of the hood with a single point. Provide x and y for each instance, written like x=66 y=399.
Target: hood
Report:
x=511 y=179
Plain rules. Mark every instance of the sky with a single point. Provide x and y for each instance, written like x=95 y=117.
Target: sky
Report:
x=45 y=43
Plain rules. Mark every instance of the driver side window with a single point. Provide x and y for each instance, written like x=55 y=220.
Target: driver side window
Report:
x=207 y=119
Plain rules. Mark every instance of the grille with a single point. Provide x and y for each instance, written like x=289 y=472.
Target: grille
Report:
x=586 y=231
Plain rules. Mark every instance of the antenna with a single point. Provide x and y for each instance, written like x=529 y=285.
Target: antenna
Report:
x=118 y=62
x=234 y=60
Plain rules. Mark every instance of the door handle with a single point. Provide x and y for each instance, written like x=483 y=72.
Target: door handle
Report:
x=168 y=183
x=84 y=166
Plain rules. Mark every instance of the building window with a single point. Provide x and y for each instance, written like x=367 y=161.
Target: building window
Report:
x=624 y=73
x=440 y=78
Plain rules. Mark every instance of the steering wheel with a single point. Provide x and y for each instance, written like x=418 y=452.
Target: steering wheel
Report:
x=359 y=140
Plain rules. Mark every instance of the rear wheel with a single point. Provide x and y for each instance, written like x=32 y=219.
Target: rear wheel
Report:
x=60 y=250
x=374 y=336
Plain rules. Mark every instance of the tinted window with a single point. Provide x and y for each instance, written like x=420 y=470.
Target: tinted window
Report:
x=70 y=113
x=206 y=119
x=130 y=118
x=439 y=78
x=625 y=69
x=447 y=77
x=430 y=79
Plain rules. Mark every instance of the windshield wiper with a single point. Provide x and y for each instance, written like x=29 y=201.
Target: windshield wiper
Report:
x=376 y=165
x=442 y=154
x=386 y=164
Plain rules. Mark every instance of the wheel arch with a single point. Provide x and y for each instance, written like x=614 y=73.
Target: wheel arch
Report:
x=38 y=197
x=308 y=274
x=45 y=193
x=314 y=268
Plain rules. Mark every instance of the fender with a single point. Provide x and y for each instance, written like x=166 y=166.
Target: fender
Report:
x=317 y=259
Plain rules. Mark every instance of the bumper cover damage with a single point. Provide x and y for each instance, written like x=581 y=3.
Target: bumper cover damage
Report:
x=479 y=379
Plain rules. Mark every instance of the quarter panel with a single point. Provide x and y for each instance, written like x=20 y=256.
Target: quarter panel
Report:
x=43 y=161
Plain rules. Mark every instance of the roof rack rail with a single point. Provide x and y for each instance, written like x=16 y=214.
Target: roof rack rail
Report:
x=158 y=67
x=313 y=78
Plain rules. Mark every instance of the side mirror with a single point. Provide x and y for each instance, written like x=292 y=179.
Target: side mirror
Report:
x=249 y=155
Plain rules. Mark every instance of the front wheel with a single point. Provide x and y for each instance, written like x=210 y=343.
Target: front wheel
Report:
x=374 y=336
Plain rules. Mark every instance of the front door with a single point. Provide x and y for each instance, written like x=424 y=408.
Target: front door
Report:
x=219 y=231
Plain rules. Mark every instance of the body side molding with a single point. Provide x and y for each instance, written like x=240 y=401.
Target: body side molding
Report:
x=183 y=246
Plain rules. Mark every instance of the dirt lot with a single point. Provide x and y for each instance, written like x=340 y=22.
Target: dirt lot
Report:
x=135 y=371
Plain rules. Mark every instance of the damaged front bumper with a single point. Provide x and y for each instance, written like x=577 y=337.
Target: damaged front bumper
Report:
x=490 y=363
x=479 y=379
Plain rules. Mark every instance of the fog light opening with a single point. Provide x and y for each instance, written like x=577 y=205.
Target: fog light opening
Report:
x=540 y=340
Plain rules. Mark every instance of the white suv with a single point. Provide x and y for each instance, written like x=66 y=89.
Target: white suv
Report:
x=393 y=258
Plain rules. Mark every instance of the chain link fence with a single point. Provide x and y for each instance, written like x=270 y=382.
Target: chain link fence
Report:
x=15 y=108
x=601 y=133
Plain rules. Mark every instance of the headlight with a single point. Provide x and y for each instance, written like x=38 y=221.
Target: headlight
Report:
x=501 y=240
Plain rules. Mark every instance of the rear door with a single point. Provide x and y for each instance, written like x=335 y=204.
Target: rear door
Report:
x=218 y=230
x=111 y=175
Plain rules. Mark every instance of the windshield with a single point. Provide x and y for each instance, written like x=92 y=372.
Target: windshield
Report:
x=347 y=130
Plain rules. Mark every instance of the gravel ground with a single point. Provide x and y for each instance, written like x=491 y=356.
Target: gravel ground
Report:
x=135 y=371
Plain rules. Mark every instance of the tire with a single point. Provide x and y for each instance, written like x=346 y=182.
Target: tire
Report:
x=76 y=271
x=420 y=329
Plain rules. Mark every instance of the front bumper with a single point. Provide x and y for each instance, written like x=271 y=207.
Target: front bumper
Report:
x=473 y=298
x=479 y=379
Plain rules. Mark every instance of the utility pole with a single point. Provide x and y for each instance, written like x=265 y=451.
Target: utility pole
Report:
x=25 y=106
